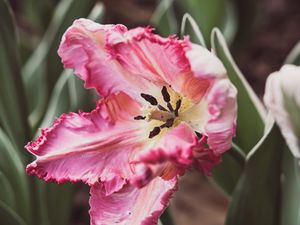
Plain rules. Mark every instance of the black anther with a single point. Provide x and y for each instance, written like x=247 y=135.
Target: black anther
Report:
x=178 y=104
x=162 y=108
x=165 y=94
x=149 y=98
x=170 y=107
x=169 y=123
x=139 y=117
x=154 y=132
x=198 y=135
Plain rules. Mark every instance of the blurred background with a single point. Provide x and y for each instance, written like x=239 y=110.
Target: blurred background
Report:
x=260 y=35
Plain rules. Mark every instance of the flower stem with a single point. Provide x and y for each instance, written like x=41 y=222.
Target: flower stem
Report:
x=237 y=153
x=166 y=218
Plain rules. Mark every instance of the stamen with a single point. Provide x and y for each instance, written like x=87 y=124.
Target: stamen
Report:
x=170 y=107
x=178 y=104
x=162 y=108
x=139 y=117
x=198 y=135
x=154 y=132
x=165 y=94
x=169 y=123
x=149 y=98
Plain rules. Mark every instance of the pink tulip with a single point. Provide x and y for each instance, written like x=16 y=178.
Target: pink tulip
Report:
x=157 y=95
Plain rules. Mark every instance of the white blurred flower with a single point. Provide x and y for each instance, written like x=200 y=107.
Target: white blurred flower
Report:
x=282 y=98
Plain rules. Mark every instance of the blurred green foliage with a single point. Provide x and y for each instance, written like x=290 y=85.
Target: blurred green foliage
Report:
x=33 y=95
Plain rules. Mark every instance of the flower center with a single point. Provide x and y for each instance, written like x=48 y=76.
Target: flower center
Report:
x=165 y=114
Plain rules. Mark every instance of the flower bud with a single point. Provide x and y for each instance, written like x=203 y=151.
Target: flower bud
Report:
x=282 y=98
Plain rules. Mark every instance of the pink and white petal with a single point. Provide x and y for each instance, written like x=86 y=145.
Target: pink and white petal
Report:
x=131 y=205
x=149 y=56
x=280 y=85
x=82 y=48
x=222 y=109
x=204 y=64
x=167 y=157
x=204 y=158
x=162 y=61
x=89 y=146
x=205 y=68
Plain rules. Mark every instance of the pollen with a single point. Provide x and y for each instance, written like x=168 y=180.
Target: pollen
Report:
x=165 y=110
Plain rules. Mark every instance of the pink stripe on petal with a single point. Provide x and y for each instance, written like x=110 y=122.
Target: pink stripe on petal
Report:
x=89 y=146
x=162 y=61
x=169 y=157
x=222 y=107
x=131 y=205
x=204 y=63
x=82 y=48
x=204 y=158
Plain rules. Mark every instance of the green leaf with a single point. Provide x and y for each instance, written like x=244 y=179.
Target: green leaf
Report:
x=59 y=101
x=6 y=194
x=13 y=113
x=230 y=25
x=228 y=172
x=256 y=198
x=44 y=66
x=68 y=95
x=164 y=18
x=294 y=56
x=38 y=13
x=195 y=28
x=12 y=167
x=207 y=14
x=59 y=203
x=290 y=210
x=8 y=216
x=251 y=114
x=290 y=203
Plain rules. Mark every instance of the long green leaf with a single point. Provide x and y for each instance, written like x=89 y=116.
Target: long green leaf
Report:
x=164 y=18
x=294 y=56
x=13 y=113
x=12 y=167
x=9 y=217
x=228 y=172
x=251 y=114
x=207 y=14
x=44 y=66
x=195 y=28
x=59 y=203
x=256 y=198
x=6 y=192
x=290 y=206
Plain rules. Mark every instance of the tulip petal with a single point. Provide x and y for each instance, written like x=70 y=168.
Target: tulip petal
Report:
x=204 y=158
x=167 y=157
x=89 y=146
x=283 y=87
x=222 y=109
x=204 y=63
x=111 y=58
x=82 y=48
x=162 y=61
x=131 y=205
